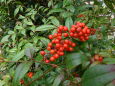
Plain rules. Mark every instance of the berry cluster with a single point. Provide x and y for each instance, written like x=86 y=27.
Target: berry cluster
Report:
x=60 y=41
x=80 y=31
x=59 y=44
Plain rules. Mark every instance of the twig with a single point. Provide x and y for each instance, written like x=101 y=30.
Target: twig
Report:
x=53 y=65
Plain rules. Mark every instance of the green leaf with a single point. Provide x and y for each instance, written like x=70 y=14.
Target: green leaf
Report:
x=28 y=21
x=99 y=75
x=66 y=14
x=45 y=27
x=58 y=80
x=18 y=56
x=16 y=10
x=21 y=70
x=105 y=54
x=5 y=38
x=67 y=2
x=73 y=59
x=69 y=22
x=30 y=52
x=50 y=3
x=2 y=83
x=54 y=21
x=21 y=17
x=70 y=8
x=55 y=10
x=10 y=32
x=44 y=40
x=109 y=60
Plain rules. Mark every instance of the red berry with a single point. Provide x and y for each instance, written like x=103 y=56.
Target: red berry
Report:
x=66 y=41
x=53 y=41
x=86 y=38
x=80 y=33
x=55 y=35
x=85 y=27
x=42 y=53
x=88 y=31
x=30 y=74
x=73 y=26
x=21 y=81
x=56 y=56
x=48 y=48
x=47 y=61
x=100 y=59
x=71 y=34
x=84 y=30
x=79 y=29
x=50 y=36
x=57 y=41
x=49 y=44
x=70 y=49
x=65 y=46
x=66 y=35
x=83 y=24
x=85 y=34
x=59 y=37
x=59 y=34
x=52 y=51
x=76 y=35
x=61 y=49
x=52 y=58
x=61 y=27
x=61 y=53
x=59 y=31
x=58 y=45
x=72 y=29
x=96 y=57
x=65 y=28
x=73 y=44
x=70 y=42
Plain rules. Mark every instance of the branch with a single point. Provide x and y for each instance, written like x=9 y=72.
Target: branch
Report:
x=53 y=65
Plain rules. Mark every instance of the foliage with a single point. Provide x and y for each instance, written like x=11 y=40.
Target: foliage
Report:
x=24 y=29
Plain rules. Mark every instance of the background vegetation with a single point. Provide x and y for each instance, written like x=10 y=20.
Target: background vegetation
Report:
x=24 y=29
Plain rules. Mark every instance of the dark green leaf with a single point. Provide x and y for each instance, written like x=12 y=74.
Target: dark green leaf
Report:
x=16 y=10
x=45 y=27
x=5 y=38
x=44 y=40
x=73 y=59
x=70 y=8
x=67 y=2
x=55 y=10
x=21 y=70
x=99 y=75
x=109 y=60
x=58 y=80
x=30 y=52
x=69 y=22
x=55 y=21
x=18 y=56
x=66 y=14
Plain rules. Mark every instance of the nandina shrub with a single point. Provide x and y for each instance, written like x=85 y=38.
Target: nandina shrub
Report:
x=57 y=43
